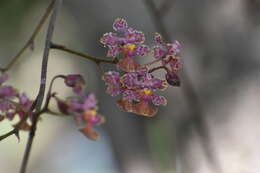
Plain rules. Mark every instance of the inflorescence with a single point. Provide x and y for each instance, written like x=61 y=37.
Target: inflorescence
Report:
x=136 y=83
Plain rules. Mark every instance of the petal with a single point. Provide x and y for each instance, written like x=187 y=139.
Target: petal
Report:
x=24 y=102
x=113 y=91
x=158 y=38
x=23 y=126
x=159 y=100
x=6 y=105
x=7 y=91
x=130 y=80
x=158 y=52
x=120 y=24
x=74 y=105
x=109 y=39
x=142 y=50
x=112 y=78
x=73 y=80
x=96 y=119
x=145 y=109
x=126 y=105
x=128 y=65
x=113 y=51
x=134 y=36
x=89 y=132
x=131 y=95
x=175 y=63
x=173 y=48
x=90 y=102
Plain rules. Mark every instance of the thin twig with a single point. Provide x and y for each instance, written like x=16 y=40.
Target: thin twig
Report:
x=41 y=92
x=15 y=131
x=189 y=93
x=152 y=62
x=91 y=58
x=158 y=68
x=30 y=42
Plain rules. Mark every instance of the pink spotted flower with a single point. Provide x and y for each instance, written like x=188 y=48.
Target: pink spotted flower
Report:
x=127 y=43
x=138 y=90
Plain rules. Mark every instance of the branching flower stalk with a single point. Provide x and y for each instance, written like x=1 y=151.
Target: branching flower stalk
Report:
x=41 y=92
x=82 y=55
x=135 y=83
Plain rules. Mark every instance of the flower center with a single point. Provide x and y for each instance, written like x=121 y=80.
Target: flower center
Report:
x=92 y=112
x=147 y=91
x=129 y=47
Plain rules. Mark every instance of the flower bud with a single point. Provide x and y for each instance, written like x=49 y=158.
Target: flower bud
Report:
x=172 y=79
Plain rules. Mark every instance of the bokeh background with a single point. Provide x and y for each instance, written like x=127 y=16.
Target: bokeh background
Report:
x=211 y=123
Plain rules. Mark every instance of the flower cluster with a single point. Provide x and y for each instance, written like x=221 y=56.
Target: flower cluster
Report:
x=13 y=103
x=82 y=106
x=168 y=54
x=135 y=82
x=137 y=89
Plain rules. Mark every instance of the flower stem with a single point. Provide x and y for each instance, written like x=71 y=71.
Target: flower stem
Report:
x=30 y=42
x=91 y=58
x=158 y=68
x=12 y=132
x=41 y=92
x=152 y=62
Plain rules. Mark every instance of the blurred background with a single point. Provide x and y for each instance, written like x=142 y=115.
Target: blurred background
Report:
x=211 y=123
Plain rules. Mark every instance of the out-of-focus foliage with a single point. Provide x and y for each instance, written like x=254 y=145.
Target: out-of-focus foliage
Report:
x=12 y=13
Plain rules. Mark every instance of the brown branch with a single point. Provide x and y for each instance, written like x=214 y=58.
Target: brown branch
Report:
x=91 y=58
x=15 y=131
x=152 y=62
x=41 y=92
x=30 y=42
x=158 y=68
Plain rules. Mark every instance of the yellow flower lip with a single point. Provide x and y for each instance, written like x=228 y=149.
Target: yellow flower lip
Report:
x=130 y=47
x=92 y=112
x=147 y=91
